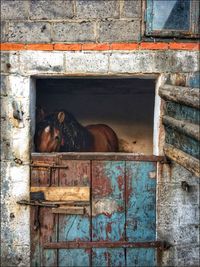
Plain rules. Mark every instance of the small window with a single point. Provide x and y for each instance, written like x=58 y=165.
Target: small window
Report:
x=174 y=18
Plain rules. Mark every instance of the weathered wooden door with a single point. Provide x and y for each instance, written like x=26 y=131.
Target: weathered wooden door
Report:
x=104 y=211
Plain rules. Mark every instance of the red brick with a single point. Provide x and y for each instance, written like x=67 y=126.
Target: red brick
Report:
x=98 y=47
x=67 y=47
x=154 y=46
x=124 y=46
x=12 y=46
x=184 y=46
x=48 y=47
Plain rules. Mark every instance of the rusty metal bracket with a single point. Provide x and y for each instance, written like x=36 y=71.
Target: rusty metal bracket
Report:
x=165 y=160
x=37 y=203
x=161 y=245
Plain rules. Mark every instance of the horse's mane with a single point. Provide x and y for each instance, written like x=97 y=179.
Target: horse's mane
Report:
x=76 y=137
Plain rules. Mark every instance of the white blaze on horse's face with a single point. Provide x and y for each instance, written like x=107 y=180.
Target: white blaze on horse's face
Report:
x=47 y=129
x=49 y=140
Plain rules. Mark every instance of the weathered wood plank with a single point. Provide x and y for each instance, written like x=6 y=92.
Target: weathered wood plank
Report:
x=184 y=127
x=185 y=95
x=108 y=257
x=73 y=258
x=182 y=112
x=64 y=193
x=183 y=142
x=98 y=156
x=190 y=163
x=141 y=257
x=140 y=201
x=108 y=202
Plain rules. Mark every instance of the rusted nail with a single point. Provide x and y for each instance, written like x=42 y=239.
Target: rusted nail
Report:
x=165 y=161
x=18 y=161
x=8 y=65
x=185 y=186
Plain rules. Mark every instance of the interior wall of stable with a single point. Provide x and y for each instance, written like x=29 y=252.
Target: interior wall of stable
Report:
x=126 y=105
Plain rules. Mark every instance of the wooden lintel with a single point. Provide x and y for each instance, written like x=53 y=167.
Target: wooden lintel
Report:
x=98 y=156
x=190 y=163
x=64 y=193
x=184 y=127
x=185 y=95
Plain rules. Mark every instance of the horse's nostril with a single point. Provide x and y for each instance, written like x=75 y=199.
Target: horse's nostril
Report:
x=57 y=137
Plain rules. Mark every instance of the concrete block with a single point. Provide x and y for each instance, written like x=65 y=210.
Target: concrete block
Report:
x=19 y=86
x=97 y=9
x=29 y=32
x=9 y=62
x=14 y=10
x=131 y=9
x=132 y=62
x=178 y=235
x=179 y=215
x=59 y=9
x=4 y=85
x=171 y=194
x=119 y=31
x=168 y=258
x=73 y=32
x=80 y=62
x=14 y=255
x=6 y=108
x=6 y=152
x=41 y=62
x=151 y=61
x=20 y=148
x=188 y=255
x=19 y=191
x=184 y=61
x=3 y=31
x=19 y=173
x=175 y=173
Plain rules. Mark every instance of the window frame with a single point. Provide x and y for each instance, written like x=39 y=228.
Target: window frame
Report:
x=193 y=32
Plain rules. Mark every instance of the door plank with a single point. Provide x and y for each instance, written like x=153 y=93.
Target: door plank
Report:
x=108 y=211
x=140 y=213
x=108 y=257
x=74 y=257
x=108 y=203
x=140 y=257
x=75 y=227
x=64 y=193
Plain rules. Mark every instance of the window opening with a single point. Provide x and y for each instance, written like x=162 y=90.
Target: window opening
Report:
x=124 y=104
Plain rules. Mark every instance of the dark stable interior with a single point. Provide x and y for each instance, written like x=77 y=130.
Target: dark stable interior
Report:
x=124 y=104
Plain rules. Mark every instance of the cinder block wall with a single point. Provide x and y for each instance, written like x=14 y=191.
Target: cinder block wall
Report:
x=70 y=21
x=80 y=22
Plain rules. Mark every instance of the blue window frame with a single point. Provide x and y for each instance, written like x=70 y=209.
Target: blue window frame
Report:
x=172 y=18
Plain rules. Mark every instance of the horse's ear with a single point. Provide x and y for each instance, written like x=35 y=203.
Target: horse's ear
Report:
x=61 y=116
x=47 y=129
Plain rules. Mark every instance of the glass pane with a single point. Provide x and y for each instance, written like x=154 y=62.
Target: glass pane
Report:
x=171 y=15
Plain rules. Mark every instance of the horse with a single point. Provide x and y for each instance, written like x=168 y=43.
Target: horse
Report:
x=61 y=132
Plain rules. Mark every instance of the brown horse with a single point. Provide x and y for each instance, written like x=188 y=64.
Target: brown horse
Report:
x=61 y=132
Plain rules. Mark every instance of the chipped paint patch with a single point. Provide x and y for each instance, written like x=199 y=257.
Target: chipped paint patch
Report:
x=152 y=175
x=104 y=206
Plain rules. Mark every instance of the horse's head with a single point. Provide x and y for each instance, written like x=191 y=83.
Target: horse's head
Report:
x=48 y=136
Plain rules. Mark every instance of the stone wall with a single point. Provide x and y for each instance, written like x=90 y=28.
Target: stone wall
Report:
x=71 y=21
x=177 y=211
